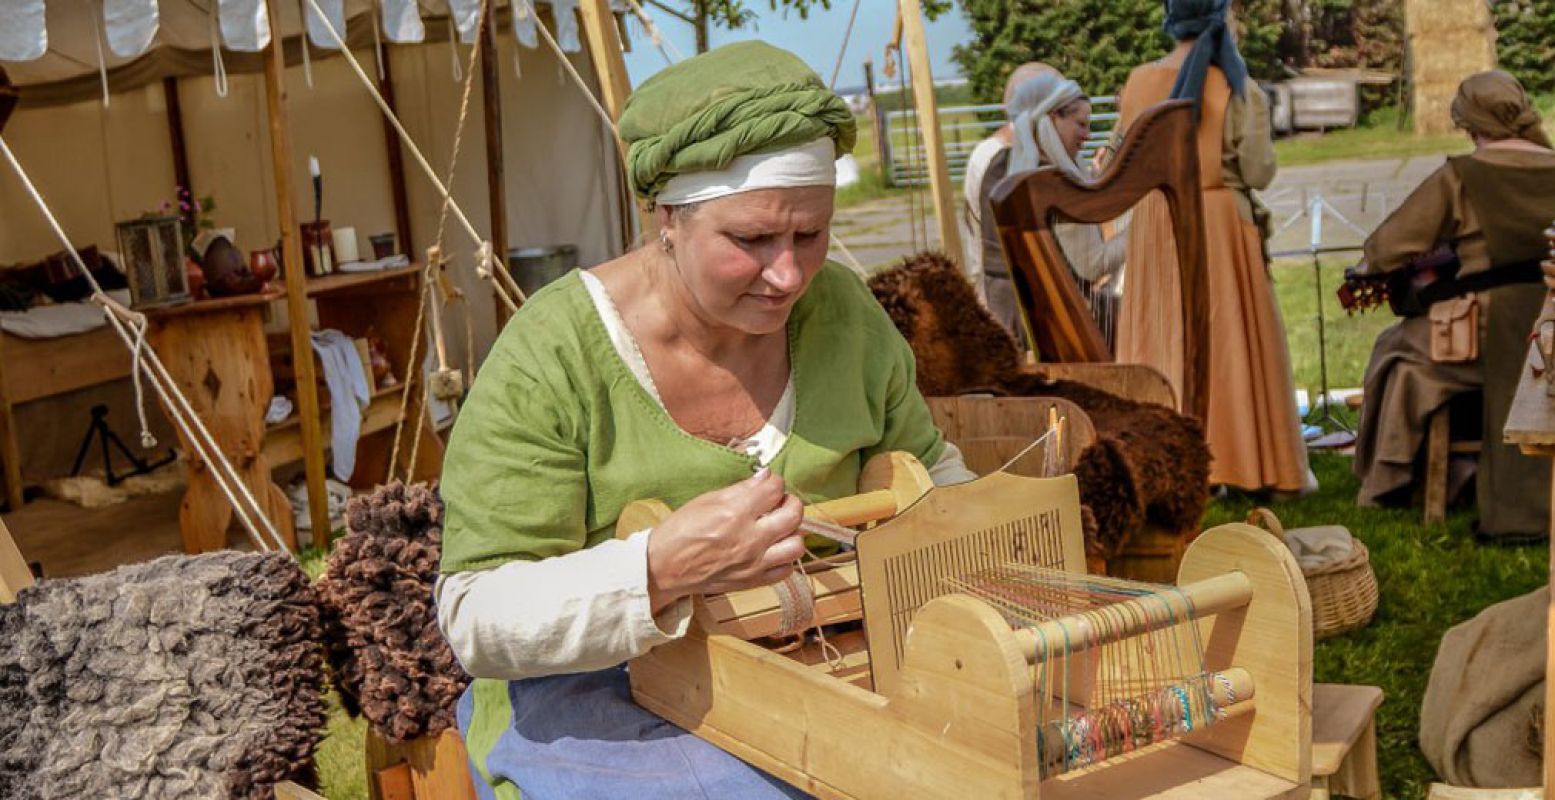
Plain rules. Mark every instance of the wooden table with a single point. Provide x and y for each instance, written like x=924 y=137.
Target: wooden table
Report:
x=215 y=351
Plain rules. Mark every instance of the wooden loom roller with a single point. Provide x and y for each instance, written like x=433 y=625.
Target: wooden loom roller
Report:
x=943 y=701
x=1159 y=153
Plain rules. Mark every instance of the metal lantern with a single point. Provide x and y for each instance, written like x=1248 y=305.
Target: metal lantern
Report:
x=153 y=253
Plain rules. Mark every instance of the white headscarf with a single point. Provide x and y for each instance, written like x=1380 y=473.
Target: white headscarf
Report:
x=810 y=164
x=1031 y=108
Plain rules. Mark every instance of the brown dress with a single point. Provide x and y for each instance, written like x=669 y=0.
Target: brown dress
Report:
x=1404 y=387
x=1253 y=431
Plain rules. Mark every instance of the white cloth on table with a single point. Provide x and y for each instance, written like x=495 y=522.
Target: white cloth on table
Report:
x=61 y=319
x=348 y=396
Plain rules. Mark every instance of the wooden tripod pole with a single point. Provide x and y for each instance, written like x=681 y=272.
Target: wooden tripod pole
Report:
x=296 y=281
x=915 y=42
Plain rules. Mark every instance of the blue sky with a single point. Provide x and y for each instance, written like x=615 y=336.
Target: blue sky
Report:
x=816 y=39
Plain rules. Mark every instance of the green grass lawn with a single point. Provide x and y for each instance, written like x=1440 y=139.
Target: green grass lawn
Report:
x=1431 y=577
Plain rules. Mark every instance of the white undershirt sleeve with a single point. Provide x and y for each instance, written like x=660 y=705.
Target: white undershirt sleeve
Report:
x=583 y=611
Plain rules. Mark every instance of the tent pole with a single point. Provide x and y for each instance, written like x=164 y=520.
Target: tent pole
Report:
x=910 y=14
x=175 y=132
x=496 y=178
x=391 y=140
x=604 y=44
x=296 y=281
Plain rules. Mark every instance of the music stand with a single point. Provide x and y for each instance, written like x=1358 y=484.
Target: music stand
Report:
x=1313 y=211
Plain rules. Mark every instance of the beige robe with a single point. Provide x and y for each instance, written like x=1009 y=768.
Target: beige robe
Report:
x=1252 y=428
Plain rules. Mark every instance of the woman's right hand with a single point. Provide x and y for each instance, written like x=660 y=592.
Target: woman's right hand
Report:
x=734 y=538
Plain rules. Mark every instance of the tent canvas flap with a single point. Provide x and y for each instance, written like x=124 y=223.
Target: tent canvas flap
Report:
x=24 y=34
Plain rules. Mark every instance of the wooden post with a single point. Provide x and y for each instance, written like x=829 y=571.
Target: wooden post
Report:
x=496 y=182
x=604 y=45
x=1549 y=666
x=296 y=281
x=175 y=133
x=916 y=45
x=877 y=125
x=392 y=145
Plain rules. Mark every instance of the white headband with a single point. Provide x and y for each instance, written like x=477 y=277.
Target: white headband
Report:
x=812 y=164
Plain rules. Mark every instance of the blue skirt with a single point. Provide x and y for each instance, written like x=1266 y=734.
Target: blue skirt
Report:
x=581 y=736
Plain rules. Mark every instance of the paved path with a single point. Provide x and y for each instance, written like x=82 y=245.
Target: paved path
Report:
x=1361 y=192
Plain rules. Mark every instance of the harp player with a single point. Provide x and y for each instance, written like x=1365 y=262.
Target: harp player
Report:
x=726 y=367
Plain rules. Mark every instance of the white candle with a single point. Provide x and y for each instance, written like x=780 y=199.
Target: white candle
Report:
x=345 y=245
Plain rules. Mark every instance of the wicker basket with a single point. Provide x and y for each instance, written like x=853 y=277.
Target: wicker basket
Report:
x=1344 y=593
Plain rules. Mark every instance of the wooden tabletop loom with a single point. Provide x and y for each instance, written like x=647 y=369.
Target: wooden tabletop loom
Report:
x=991 y=665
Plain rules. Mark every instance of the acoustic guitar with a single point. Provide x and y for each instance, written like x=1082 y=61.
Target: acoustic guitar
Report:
x=1406 y=290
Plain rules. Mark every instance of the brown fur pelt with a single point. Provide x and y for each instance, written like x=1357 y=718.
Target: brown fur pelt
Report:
x=1148 y=462
x=390 y=660
x=927 y=298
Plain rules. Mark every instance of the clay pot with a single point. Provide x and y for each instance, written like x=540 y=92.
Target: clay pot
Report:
x=196 y=279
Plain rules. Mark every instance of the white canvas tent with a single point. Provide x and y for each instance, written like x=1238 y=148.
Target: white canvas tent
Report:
x=101 y=162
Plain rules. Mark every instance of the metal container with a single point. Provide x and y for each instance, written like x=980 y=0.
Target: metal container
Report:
x=534 y=267
x=1323 y=102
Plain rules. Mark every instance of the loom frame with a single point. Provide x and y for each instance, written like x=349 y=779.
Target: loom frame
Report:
x=959 y=720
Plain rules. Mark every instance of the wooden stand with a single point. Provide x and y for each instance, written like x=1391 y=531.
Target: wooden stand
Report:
x=215 y=351
x=1344 y=741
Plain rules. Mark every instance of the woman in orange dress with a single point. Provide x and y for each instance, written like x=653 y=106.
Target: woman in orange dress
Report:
x=1252 y=427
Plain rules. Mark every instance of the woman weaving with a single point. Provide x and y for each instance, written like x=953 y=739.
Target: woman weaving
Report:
x=1486 y=211
x=728 y=369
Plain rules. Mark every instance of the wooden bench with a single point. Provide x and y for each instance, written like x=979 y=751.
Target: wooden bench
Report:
x=1344 y=741
x=1439 y=450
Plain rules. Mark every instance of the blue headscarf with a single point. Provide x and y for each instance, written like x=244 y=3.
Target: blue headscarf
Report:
x=1204 y=21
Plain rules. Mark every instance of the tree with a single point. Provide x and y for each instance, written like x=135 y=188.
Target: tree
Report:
x=1526 y=44
x=702 y=15
x=1097 y=42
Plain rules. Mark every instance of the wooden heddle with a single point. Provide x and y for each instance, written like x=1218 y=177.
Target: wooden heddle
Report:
x=1159 y=153
x=991 y=666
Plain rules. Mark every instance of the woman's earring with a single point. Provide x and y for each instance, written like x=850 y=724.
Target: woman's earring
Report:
x=664 y=241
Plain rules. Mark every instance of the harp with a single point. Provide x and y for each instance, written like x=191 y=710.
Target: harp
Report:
x=1159 y=153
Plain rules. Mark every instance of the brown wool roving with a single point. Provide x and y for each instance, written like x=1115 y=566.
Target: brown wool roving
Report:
x=390 y=660
x=184 y=677
x=1148 y=462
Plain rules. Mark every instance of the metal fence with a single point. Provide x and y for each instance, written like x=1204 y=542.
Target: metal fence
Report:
x=961 y=128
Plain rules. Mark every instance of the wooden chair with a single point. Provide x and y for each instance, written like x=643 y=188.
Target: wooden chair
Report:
x=1344 y=741
x=1158 y=154
x=1440 y=447
x=429 y=768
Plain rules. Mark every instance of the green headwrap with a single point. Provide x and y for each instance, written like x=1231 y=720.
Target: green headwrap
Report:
x=746 y=97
